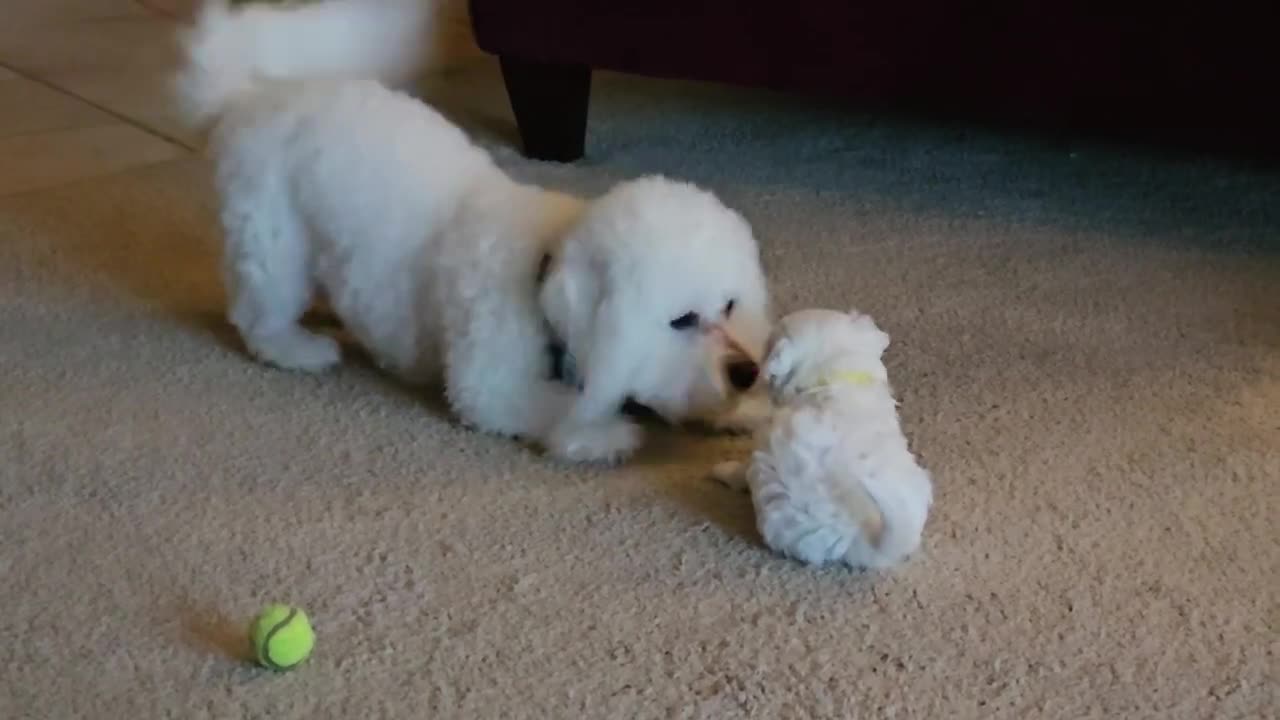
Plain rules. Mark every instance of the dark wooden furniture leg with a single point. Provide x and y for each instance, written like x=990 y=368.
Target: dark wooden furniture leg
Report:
x=550 y=104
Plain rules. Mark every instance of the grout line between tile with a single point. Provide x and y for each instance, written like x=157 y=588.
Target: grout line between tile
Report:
x=105 y=122
x=85 y=179
x=121 y=117
x=162 y=11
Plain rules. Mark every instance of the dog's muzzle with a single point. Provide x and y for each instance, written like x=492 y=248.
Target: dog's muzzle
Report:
x=742 y=373
x=741 y=370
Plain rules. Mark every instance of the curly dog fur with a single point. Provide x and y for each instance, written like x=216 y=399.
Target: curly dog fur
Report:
x=832 y=477
x=335 y=184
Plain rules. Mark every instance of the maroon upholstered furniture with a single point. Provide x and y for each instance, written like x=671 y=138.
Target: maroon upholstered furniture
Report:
x=1174 y=69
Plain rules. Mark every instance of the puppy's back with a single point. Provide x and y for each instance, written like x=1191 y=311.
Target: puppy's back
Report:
x=822 y=496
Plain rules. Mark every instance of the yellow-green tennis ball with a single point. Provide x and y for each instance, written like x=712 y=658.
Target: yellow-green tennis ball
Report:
x=282 y=637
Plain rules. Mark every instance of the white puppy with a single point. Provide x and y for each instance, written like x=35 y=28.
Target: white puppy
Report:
x=832 y=477
x=542 y=313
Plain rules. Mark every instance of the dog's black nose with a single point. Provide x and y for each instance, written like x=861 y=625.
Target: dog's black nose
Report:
x=743 y=374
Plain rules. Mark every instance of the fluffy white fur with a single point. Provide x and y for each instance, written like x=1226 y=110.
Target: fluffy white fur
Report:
x=832 y=478
x=334 y=184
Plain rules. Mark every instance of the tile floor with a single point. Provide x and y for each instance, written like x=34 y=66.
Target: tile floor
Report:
x=82 y=87
x=81 y=92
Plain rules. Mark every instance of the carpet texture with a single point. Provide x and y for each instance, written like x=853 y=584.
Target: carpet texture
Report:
x=1086 y=342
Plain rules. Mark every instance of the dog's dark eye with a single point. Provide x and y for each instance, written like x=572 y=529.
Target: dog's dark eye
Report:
x=728 y=307
x=685 y=321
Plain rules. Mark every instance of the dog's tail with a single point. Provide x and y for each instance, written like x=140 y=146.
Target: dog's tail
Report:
x=860 y=508
x=889 y=515
x=230 y=52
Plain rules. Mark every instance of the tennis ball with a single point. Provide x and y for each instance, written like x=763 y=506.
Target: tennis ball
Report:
x=282 y=637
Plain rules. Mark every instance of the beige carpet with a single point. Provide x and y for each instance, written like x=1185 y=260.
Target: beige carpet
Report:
x=1086 y=343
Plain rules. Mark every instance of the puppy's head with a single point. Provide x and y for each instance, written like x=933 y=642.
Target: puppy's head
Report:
x=811 y=347
x=658 y=293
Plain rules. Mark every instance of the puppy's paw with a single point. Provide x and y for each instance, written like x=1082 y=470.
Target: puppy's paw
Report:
x=608 y=442
x=750 y=414
x=297 y=349
x=732 y=474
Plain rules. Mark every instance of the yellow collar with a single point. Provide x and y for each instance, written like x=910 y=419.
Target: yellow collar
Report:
x=857 y=378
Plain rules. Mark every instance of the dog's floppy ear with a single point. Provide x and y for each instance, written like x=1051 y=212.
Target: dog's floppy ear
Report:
x=597 y=319
x=874 y=338
x=611 y=356
x=570 y=297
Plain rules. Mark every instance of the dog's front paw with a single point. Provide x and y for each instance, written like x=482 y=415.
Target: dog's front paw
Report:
x=731 y=474
x=749 y=415
x=609 y=442
x=296 y=349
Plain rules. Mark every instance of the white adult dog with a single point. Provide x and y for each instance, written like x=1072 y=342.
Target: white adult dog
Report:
x=334 y=184
x=832 y=477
